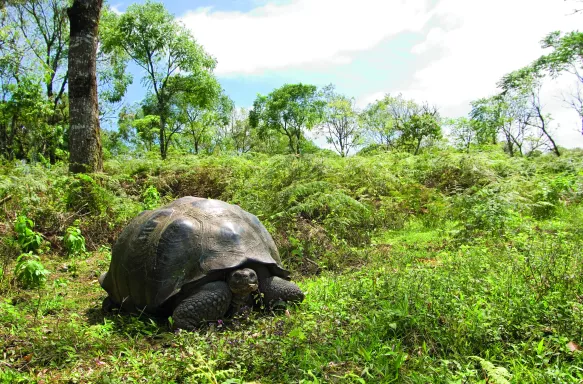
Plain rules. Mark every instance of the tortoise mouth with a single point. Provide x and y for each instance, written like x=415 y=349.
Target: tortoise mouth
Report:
x=243 y=281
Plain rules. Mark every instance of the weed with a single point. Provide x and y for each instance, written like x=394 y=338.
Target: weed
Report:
x=29 y=240
x=151 y=197
x=74 y=241
x=29 y=271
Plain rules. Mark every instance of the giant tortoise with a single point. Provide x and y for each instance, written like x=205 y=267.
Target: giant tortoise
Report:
x=195 y=259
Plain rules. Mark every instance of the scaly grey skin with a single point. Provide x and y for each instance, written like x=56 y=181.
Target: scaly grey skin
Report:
x=209 y=302
x=217 y=299
x=276 y=289
x=212 y=300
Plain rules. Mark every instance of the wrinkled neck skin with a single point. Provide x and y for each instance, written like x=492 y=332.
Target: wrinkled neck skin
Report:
x=240 y=300
x=242 y=282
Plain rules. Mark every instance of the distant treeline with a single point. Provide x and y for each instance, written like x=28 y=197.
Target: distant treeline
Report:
x=185 y=110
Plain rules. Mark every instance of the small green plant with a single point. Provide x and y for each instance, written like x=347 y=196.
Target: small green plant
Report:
x=549 y=194
x=73 y=268
x=29 y=271
x=27 y=238
x=74 y=240
x=151 y=197
x=494 y=374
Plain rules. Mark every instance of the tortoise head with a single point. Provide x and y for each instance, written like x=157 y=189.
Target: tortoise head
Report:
x=243 y=281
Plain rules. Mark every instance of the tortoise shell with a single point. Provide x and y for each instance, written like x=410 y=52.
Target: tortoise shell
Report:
x=188 y=242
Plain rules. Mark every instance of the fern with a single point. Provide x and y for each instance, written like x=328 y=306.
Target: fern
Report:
x=326 y=204
x=494 y=374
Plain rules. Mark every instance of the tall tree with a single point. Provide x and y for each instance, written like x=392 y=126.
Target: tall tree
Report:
x=500 y=115
x=341 y=123
x=34 y=44
x=167 y=52
x=396 y=122
x=379 y=125
x=486 y=119
x=292 y=110
x=526 y=83
x=201 y=114
x=462 y=132
x=423 y=124
x=113 y=78
x=43 y=24
x=84 y=134
x=566 y=56
x=240 y=131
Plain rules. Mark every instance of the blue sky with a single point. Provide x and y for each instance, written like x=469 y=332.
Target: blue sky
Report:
x=445 y=52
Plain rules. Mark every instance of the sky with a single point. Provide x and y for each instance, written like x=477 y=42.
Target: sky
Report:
x=444 y=52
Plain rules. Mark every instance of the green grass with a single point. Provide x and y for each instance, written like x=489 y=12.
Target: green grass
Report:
x=413 y=275
x=421 y=310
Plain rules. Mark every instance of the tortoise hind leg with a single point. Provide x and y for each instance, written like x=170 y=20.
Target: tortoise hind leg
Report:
x=209 y=302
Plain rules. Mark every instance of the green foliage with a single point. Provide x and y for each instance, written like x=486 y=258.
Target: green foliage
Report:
x=74 y=241
x=112 y=75
x=173 y=62
x=566 y=52
x=395 y=122
x=291 y=110
x=494 y=374
x=488 y=210
x=324 y=203
x=85 y=195
x=549 y=194
x=442 y=265
x=487 y=117
x=33 y=66
x=341 y=120
x=147 y=129
x=29 y=271
x=28 y=239
x=151 y=198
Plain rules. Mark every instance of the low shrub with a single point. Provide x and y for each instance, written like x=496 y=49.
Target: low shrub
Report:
x=29 y=271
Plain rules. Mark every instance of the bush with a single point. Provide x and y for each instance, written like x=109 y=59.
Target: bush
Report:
x=151 y=198
x=486 y=212
x=549 y=194
x=86 y=196
x=74 y=241
x=29 y=240
x=29 y=271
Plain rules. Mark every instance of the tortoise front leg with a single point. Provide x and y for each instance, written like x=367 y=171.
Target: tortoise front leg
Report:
x=276 y=289
x=209 y=302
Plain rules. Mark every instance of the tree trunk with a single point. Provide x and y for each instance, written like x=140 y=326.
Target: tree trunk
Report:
x=418 y=146
x=85 y=154
x=163 y=144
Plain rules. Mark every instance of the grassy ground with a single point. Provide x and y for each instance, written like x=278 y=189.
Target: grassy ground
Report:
x=419 y=309
x=442 y=282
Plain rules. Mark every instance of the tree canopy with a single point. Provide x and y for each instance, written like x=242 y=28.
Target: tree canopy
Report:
x=173 y=61
x=292 y=110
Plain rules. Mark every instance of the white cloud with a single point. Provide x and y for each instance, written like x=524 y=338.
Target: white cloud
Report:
x=476 y=43
x=115 y=8
x=468 y=45
x=301 y=32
